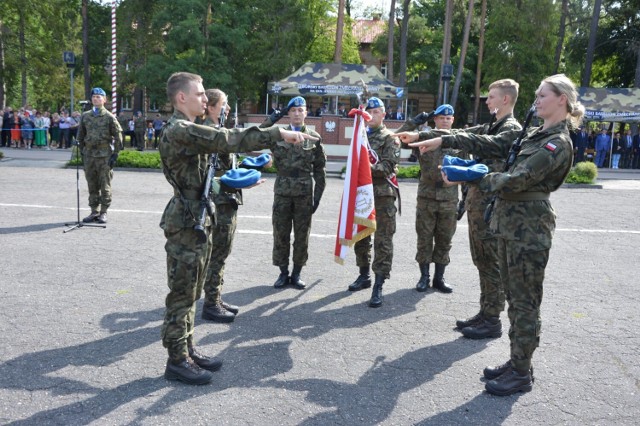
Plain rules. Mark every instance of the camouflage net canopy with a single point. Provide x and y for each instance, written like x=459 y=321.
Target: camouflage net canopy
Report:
x=610 y=104
x=315 y=78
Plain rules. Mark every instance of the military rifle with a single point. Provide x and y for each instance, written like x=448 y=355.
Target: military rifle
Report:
x=206 y=205
x=511 y=159
x=465 y=188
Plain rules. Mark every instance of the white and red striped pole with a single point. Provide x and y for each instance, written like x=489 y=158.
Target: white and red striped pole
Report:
x=114 y=72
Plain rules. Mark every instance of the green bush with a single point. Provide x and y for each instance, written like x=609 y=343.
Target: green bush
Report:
x=131 y=159
x=409 y=172
x=583 y=172
x=139 y=160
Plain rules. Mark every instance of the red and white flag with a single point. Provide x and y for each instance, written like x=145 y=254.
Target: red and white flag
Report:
x=357 y=210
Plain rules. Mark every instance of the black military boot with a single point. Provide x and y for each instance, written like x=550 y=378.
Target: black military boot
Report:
x=491 y=373
x=488 y=327
x=229 y=307
x=92 y=217
x=477 y=318
x=510 y=382
x=217 y=313
x=204 y=361
x=363 y=281
x=186 y=370
x=376 y=294
x=423 y=282
x=438 y=279
x=295 y=278
x=283 y=278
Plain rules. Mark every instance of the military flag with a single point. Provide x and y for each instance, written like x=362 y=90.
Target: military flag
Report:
x=357 y=218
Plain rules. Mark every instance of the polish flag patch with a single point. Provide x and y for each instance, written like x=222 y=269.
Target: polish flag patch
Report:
x=551 y=147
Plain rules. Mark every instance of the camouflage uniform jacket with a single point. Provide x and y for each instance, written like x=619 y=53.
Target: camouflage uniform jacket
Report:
x=184 y=150
x=431 y=184
x=386 y=145
x=295 y=166
x=140 y=124
x=99 y=136
x=543 y=163
x=227 y=195
x=476 y=199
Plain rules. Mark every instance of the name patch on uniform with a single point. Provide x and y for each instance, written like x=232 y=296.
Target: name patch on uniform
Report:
x=551 y=147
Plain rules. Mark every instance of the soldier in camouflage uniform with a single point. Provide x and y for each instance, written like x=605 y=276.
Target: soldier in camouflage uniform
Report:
x=140 y=130
x=296 y=197
x=184 y=150
x=523 y=219
x=435 y=209
x=387 y=149
x=222 y=233
x=501 y=100
x=100 y=140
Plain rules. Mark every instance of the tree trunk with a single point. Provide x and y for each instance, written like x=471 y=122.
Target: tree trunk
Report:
x=391 y=39
x=3 y=85
x=85 y=51
x=404 y=32
x=476 y=103
x=337 y=55
x=561 y=31
x=463 y=54
x=586 y=78
x=23 y=56
x=446 y=45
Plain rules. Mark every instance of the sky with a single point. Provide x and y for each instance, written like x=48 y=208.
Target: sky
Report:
x=380 y=5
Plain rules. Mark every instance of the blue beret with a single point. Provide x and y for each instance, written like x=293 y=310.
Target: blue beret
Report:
x=256 y=162
x=450 y=160
x=444 y=109
x=240 y=178
x=298 y=101
x=465 y=174
x=98 y=91
x=374 y=102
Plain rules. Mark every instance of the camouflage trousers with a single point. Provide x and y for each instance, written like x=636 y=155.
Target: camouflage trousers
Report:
x=435 y=225
x=484 y=253
x=522 y=274
x=99 y=175
x=187 y=261
x=221 y=241
x=383 y=239
x=291 y=212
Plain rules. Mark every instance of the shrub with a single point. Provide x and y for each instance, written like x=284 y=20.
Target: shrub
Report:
x=409 y=172
x=583 y=172
x=131 y=159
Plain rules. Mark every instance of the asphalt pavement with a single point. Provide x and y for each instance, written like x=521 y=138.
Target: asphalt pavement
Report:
x=81 y=315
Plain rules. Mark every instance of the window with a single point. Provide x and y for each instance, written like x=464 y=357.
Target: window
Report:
x=412 y=108
x=127 y=103
x=383 y=68
x=153 y=105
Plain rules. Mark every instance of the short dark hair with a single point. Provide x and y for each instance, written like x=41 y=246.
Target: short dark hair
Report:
x=179 y=82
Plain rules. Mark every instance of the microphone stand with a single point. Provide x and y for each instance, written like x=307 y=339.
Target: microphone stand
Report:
x=79 y=224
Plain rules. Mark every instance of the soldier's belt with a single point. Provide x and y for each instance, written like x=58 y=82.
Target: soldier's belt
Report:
x=294 y=174
x=524 y=196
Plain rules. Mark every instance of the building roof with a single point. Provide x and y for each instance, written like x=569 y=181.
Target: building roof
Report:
x=367 y=30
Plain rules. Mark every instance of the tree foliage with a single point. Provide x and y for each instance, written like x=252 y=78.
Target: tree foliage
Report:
x=241 y=45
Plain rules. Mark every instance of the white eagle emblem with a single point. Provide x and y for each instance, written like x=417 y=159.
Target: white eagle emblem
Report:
x=330 y=126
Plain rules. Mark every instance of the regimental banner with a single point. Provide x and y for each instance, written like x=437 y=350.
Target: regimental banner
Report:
x=357 y=218
x=604 y=104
